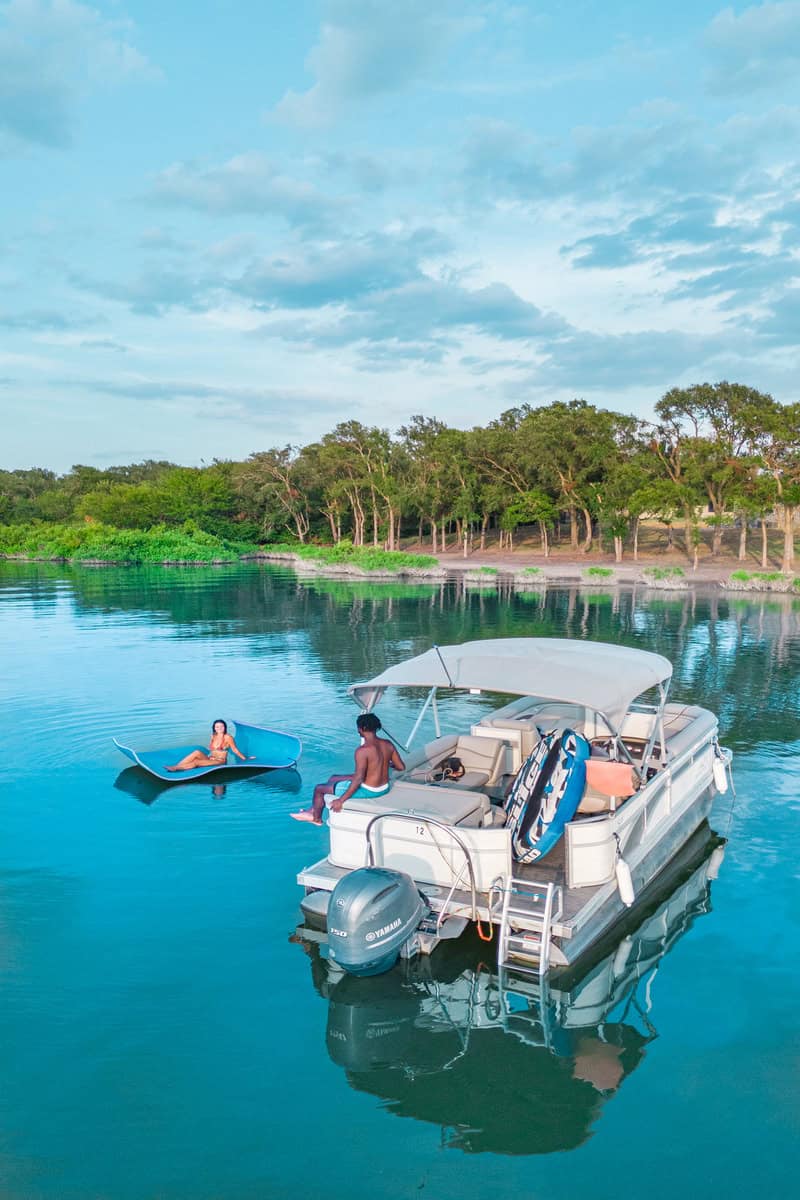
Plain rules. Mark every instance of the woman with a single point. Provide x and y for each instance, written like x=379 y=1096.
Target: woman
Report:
x=221 y=742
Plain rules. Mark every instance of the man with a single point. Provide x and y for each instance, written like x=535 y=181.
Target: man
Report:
x=374 y=757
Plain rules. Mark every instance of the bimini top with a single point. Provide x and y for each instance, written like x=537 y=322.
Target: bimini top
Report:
x=595 y=675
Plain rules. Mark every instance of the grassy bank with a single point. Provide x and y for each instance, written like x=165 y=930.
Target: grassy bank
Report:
x=96 y=543
x=346 y=556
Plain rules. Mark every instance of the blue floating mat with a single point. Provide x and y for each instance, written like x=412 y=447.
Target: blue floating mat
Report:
x=264 y=749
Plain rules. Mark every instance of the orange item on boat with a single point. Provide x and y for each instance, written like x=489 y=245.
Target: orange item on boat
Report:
x=610 y=778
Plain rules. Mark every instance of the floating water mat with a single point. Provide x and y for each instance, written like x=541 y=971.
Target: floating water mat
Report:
x=264 y=749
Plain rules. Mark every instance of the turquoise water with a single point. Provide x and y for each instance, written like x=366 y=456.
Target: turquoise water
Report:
x=165 y=1034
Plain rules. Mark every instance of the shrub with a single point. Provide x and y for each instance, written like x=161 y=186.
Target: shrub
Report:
x=598 y=572
x=760 y=581
x=104 y=543
x=345 y=553
x=663 y=572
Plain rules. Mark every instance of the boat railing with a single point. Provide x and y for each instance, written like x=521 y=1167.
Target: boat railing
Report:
x=430 y=822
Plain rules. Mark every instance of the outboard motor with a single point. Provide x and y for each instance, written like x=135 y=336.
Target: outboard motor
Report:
x=373 y=912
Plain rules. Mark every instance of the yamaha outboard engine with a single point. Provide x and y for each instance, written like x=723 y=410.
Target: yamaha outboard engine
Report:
x=372 y=913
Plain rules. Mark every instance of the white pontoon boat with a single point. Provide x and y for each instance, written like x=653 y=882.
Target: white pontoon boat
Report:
x=646 y=780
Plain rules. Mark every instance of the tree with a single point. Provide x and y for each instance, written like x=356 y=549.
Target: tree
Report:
x=22 y=493
x=567 y=448
x=704 y=431
x=439 y=471
x=533 y=506
x=780 y=453
x=270 y=484
x=754 y=498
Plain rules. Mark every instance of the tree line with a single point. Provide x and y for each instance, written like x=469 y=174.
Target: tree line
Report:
x=716 y=455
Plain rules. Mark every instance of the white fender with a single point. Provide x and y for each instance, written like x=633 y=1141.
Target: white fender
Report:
x=715 y=862
x=622 y=955
x=720 y=771
x=625 y=883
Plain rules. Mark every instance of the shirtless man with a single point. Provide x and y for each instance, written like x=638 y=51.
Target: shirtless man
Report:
x=370 y=779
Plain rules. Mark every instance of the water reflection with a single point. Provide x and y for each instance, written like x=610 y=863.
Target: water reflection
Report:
x=499 y=1062
x=145 y=788
x=738 y=656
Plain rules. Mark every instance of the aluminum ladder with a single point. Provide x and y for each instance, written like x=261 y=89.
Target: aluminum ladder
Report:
x=518 y=945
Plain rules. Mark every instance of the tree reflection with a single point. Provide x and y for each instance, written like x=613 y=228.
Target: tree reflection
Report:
x=738 y=657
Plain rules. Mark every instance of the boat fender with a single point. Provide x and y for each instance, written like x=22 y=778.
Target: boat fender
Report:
x=715 y=862
x=720 y=771
x=625 y=883
x=622 y=955
x=624 y=879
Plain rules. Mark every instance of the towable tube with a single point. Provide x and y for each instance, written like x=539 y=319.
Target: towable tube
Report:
x=546 y=794
x=264 y=750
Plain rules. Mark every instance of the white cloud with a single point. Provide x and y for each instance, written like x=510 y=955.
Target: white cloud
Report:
x=756 y=49
x=338 y=272
x=247 y=183
x=217 y=402
x=52 y=52
x=367 y=48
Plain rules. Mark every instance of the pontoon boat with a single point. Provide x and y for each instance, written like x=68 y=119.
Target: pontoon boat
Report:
x=589 y=745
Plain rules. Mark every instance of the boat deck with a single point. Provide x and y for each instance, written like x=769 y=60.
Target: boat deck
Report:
x=575 y=902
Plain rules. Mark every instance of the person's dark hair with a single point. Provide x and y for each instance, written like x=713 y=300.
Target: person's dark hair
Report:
x=368 y=723
x=219 y=721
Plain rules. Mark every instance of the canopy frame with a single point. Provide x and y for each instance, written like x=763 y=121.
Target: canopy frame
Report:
x=653 y=671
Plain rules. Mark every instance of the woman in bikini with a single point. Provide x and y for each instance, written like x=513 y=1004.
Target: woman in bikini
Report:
x=221 y=742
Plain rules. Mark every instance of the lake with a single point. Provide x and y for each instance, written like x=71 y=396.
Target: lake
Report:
x=166 y=1034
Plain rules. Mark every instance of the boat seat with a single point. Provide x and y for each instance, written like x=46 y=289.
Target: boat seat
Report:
x=526 y=725
x=483 y=759
x=451 y=806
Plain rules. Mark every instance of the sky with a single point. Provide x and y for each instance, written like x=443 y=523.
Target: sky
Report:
x=229 y=226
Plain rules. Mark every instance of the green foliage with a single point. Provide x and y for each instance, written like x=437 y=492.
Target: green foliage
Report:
x=346 y=554
x=531 y=506
x=598 y=572
x=346 y=591
x=531 y=571
x=763 y=576
x=664 y=572
x=721 y=445
x=92 y=542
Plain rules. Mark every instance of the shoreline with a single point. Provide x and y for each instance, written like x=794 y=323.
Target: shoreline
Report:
x=490 y=569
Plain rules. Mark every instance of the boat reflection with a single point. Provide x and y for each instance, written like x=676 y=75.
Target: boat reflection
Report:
x=501 y=1062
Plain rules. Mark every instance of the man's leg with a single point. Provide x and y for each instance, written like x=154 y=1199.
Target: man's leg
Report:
x=314 y=813
x=318 y=800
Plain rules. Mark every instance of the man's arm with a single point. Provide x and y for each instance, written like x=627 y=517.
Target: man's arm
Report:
x=358 y=778
x=396 y=760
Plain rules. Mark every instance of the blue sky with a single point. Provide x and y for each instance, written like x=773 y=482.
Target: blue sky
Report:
x=228 y=226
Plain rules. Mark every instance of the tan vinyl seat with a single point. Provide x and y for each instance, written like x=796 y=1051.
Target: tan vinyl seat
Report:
x=451 y=806
x=483 y=759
